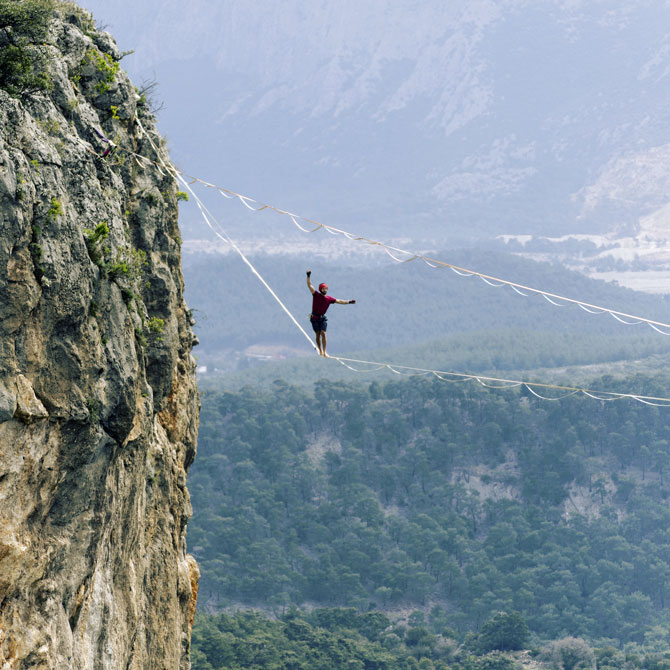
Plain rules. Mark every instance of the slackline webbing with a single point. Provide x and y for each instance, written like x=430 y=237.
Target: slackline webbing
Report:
x=218 y=230
x=403 y=255
x=486 y=381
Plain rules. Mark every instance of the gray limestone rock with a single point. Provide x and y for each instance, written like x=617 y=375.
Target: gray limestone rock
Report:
x=28 y=406
x=7 y=403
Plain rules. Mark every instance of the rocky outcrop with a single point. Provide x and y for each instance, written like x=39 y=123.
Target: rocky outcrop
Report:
x=98 y=401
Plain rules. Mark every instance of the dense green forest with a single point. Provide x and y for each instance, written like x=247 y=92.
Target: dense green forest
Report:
x=344 y=639
x=423 y=506
x=420 y=494
x=326 y=639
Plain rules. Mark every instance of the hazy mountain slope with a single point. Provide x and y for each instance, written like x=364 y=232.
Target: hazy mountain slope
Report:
x=478 y=118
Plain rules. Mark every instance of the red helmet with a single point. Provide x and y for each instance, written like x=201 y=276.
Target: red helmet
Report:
x=322 y=286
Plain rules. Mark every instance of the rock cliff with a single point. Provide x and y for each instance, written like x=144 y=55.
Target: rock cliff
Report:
x=98 y=400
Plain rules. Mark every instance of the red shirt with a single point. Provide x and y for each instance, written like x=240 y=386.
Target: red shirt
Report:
x=321 y=303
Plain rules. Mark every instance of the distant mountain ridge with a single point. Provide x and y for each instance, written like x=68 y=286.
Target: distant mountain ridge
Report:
x=473 y=119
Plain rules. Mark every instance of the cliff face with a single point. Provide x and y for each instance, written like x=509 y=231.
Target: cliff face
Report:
x=98 y=401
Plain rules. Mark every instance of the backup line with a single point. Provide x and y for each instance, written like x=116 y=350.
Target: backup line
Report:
x=500 y=383
x=397 y=254
x=351 y=363
x=406 y=256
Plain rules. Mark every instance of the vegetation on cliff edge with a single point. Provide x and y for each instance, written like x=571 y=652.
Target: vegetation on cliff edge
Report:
x=24 y=26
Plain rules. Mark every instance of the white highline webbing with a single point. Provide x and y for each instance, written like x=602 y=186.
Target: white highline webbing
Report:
x=531 y=386
x=431 y=262
x=226 y=238
x=647 y=400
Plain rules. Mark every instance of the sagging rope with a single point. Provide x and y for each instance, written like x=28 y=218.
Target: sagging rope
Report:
x=405 y=256
x=488 y=382
x=499 y=383
x=393 y=252
x=218 y=230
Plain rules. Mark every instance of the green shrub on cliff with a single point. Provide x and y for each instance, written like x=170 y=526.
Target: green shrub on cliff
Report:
x=23 y=29
x=93 y=239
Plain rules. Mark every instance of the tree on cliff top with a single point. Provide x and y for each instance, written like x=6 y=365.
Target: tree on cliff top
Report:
x=24 y=25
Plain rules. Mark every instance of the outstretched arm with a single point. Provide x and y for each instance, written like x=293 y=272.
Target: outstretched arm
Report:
x=309 y=282
x=345 y=302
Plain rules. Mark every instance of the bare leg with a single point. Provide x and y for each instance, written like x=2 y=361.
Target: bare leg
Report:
x=323 y=343
x=319 y=346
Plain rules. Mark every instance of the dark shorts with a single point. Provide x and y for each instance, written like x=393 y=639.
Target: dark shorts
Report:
x=319 y=323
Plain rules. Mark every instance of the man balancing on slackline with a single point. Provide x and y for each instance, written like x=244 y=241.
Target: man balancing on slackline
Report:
x=320 y=304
